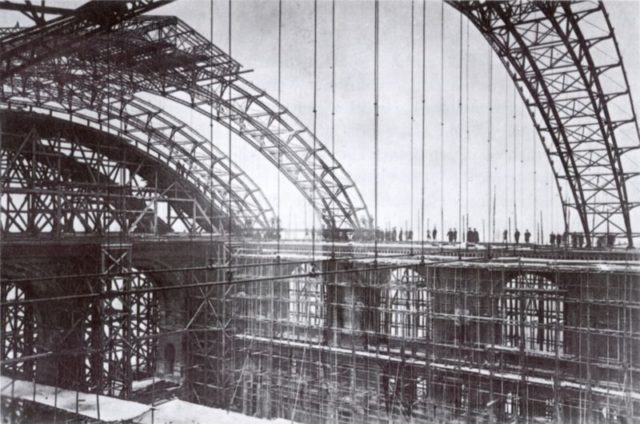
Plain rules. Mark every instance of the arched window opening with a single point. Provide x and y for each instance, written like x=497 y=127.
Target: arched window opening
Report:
x=169 y=357
x=18 y=334
x=405 y=303
x=532 y=314
x=306 y=297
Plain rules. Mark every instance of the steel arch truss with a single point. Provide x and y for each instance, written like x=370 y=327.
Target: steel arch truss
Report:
x=565 y=61
x=162 y=56
x=64 y=178
x=151 y=130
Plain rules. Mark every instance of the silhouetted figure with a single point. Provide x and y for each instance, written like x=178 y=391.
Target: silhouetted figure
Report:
x=434 y=234
x=400 y=235
x=505 y=235
x=428 y=235
x=574 y=240
x=476 y=236
x=516 y=236
x=580 y=239
x=611 y=240
x=527 y=236
x=559 y=239
x=455 y=235
x=552 y=239
x=469 y=235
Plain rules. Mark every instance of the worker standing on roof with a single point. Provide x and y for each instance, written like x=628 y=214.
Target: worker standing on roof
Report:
x=527 y=236
x=505 y=234
x=516 y=236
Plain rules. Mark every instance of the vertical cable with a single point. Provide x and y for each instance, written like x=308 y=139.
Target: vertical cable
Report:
x=515 y=160
x=424 y=83
x=228 y=251
x=375 y=119
x=535 y=187
x=315 y=127
x=506 y=156
x=274 y=314
x=279 y=159
x=460 y=69
x=229 y=141
x=466 y=155
x=520 y=170
x=412 y=110
x=333 y=110
x=491 y=230
x=441 y=118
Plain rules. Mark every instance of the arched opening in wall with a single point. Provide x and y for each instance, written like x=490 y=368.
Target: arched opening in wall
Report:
x=18 y=332
x=405 y=303
x=305 y=299
x=169 y=357
x=533 y=314
x=125 y=325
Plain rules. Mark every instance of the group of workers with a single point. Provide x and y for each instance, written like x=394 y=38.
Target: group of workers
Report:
x=516 y=236
x=574 y=239
x=578 y=240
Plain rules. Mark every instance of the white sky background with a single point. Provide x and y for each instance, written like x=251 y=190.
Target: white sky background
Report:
x=254 y=45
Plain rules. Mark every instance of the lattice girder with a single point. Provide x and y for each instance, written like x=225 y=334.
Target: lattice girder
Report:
x=73 y=178
x=550 y=50
x=21 y=50
x=191 y=81
x=154 y=131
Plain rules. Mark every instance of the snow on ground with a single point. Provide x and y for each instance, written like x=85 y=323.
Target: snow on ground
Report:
x=117 y=410
x=181 y=412
x=111 y=409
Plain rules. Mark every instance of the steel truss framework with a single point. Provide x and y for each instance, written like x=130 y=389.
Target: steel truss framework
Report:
x=550 y=53
x=164 y=57
x=565 y=61
x=100 y=342
x=63 y=178
x=18 y=333
x=120 y=330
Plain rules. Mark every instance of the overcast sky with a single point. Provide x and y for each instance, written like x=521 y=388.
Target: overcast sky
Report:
x=254 y=44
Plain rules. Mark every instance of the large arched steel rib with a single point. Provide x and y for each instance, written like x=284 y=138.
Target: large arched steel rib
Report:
x=155 y=130
x=548 y=49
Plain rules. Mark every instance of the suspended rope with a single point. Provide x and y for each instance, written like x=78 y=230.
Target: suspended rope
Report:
x=491 y=230
x=441 y=119
x=466 y=155
x=424 y=67
x=333 y=111
x=521 y=163
x=424 y=83
x=460 y=70
x=211 y=158
x=412 y=110
x=515 y=161
x=375 y=119
x=506 y=158
x=228 y=251
x=230 y=146
x=279 y=154
x=535 y=187
x=315 y=127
